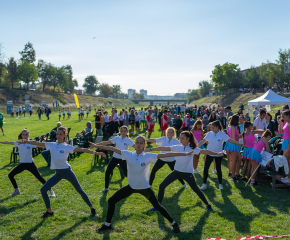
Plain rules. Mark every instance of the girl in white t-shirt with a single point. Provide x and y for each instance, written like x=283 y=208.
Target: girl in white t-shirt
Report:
x=68 y=113
x=79 y=114
x=183 y=168
x=59 y=114
x=63 y=113
x=167 y=141
x=122 y=142
x=59 y=153
x=138 y=164
x=87 y=112
x=26 y=162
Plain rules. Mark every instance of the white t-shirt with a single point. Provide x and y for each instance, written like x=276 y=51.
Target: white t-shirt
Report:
x=59 y=154
x=141 y=114
x=138 y=166
x=165 y=142
x=17 y=110
x=12 y=110
x=106 y=118
x=260 y=124
x=116 y=118
x=184 y=163
x=255 y=113
x=121 y=116
x=215 y=141
x=137 y=118
x=30 y=109
x=122 y=144
x=25 y=152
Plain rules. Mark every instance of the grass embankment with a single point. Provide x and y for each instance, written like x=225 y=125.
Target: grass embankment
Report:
x=238 y=210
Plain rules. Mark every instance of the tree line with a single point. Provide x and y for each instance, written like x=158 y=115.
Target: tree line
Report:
x=229 y=75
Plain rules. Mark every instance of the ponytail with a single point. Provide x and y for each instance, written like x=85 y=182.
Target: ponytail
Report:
x=20 y=135
x=191 y=138
x=218 y=124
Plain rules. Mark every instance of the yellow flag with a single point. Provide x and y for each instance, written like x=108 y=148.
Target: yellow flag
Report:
x=77 y=100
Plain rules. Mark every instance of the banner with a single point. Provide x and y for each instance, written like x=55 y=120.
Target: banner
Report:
x=268 y=108
x=77 y=100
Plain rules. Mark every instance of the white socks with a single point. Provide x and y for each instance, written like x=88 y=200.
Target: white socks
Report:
x=107 y=224
x=172 y=223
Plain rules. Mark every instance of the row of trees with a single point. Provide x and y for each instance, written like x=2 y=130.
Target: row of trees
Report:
x=229 y=75
x=15 y=72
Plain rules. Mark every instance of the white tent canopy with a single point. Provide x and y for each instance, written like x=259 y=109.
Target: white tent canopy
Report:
x=270 y=98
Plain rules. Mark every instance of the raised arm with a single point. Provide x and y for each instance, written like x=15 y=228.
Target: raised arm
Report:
x=108 y=148
x=7 y=142
x=151 y=140
x=38 y=144
x=208 y=152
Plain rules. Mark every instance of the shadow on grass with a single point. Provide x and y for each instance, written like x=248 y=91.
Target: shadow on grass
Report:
x=45 y=171
x=9 y=165
x=28 y=234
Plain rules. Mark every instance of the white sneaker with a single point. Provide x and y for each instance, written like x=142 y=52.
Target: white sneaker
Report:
x=195 y=171
x=285 y=180
x=221 y=187
x=52 y=194
x=185 y=186
x=16 y=192
x=203 y=187
x=214 y=171
x=104 y=190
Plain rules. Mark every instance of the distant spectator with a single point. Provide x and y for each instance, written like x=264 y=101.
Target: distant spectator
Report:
x=247 y=117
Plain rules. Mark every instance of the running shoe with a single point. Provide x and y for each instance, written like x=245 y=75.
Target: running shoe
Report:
x=52 y=194
x=195 y=171
x=214 y=171
x=185 y=186
x=230 y=174
x=285 y=180
x=245 y=179
x=221 y=187
x=104 y=190
x=153 y=209
x=16 y=192
x=234 y=178
x=104 y=228
x=209 y=208
x=47 y=214
x=93 y=212
x=176 y=228
x=203 y=187
x=239 y=177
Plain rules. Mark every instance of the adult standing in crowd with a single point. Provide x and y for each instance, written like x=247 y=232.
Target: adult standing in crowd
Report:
x=1 y=122
x=229 y=112
x=260 y=122
x=270 y=124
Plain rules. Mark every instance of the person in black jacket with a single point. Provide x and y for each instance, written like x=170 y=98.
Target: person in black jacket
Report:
x=223 y=120
x=278 y=113
x=177 y=125
x=270 y=124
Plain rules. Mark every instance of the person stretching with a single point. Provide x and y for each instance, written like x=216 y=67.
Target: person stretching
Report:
x=138 y=163
x=215 y=139
x=198 y=135
x=59 y=154
x=26 y=162
x=183 y=168
x=167 y=141
x=122 y=142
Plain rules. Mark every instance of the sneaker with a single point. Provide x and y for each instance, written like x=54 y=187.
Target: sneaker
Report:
x=153 y=209
x=284 y=180
x=203 y=187
x=214 y=171
x=93 y=213
x=230 y=174
x=16 y=192
x=176 y=228
x=185 y=186
x=209 y=208
x=195 y=171
x=239 y=177
x=221 y=187
x=47 y=214
x=52 y=194
x=234 y=178
x=3 y=134
x=244 y=179
x=104 y=190
x=104 y=228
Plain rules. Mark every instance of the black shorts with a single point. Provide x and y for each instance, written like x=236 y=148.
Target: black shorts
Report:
x=137 y=124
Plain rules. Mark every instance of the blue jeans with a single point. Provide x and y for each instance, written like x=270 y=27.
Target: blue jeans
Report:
x=60 y=174
x=99 y=132
x=46 y=156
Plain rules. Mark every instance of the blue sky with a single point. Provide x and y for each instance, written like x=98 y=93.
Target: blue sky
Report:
x=162 y=46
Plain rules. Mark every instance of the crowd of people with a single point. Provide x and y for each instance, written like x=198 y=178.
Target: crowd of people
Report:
x=186 y=133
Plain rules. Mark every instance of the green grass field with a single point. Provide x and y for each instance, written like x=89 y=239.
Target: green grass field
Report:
x=238 y=210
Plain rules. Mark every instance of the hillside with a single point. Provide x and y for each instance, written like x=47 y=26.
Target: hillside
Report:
x=18 y=97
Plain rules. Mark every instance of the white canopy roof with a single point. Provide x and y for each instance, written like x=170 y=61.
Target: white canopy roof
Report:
x=270 y=98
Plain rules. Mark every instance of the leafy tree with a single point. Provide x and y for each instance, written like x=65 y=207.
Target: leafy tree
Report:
x=252 y=78
x=3 y=72
x=138 y=96
x=70 y=82
x=91 y=84
x=46 y=71
x=123 y=95
x=204 y=87
x=227 y=76
x=60 y=79
x=278 y=69
x=75 y=83
x=28 y=53
x=116 y=89
x=192 y=94
x=27 y=73
x=2 y=55
x=12 y=71
x=105 y=89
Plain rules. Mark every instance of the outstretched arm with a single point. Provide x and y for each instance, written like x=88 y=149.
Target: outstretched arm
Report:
x=201 y=143
x=108 y=148
x=7 y=142
x=208 y=152
x=38 y=144
x=77 y=149
x=161 y=149
x=174 y=154
x=105 y=143
x=151 y=140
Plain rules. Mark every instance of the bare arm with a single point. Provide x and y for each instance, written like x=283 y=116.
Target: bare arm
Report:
x=151 y=140
x=85 y=150
x=105 y=143
x=234 y=133
x=161 y=149
x=258 y=131
x=208 y=152
x=267 y=145
x=201 y=143
x=108 y=148
x=235 y=142
x=7 y=142
x=38 y=144
x=175 y=154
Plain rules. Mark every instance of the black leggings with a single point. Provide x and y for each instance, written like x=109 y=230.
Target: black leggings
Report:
x=25 y=166
x=126 y=192
x=218 y=162
x=159 y=164
x=188 y=177
x=112 y=164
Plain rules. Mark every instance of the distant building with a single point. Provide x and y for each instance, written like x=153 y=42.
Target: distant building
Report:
x=156 y=97
x=131 y=92
x=79 y=91
x=144 y=92
x=180 y=95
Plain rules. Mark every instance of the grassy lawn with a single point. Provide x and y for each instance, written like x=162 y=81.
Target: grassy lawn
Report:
x=238 y=210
